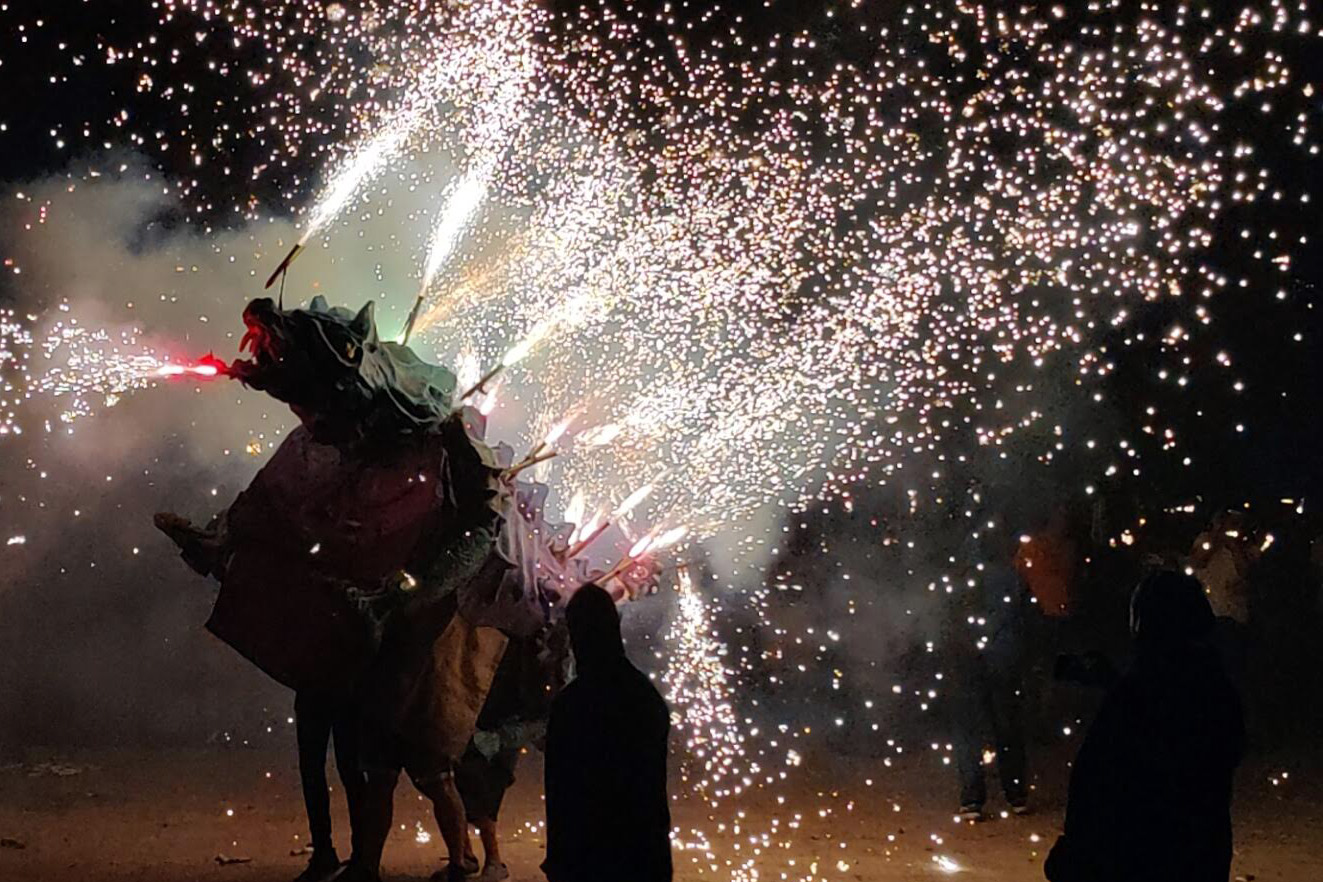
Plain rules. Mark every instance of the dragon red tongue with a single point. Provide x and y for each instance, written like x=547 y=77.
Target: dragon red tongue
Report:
x=249 y=341
x=218 y=365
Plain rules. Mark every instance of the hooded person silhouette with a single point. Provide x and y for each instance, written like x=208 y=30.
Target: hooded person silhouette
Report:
x=1150 y=793
x=608 y=819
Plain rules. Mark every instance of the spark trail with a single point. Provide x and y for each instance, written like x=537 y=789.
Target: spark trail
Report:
x=78 y=369
x=461 y=203
x=767 y=259
x=787 y=256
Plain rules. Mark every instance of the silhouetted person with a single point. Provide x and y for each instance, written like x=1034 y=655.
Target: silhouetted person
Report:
x=482 y=780
x=1150 y=793
x=408 y=726
x=514 y=717
x=987 y=654
x=608 y=819
x=1222 y=558
x=317 y=719
x=1046 y=563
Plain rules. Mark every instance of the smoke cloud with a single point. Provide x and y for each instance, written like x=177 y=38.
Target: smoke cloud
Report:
x=103 y=623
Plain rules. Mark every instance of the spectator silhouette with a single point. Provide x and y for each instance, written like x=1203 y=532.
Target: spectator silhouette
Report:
x=987 y=655
x=1150 y=793
x=608 y=819
x=514 y=717
x=316 y=717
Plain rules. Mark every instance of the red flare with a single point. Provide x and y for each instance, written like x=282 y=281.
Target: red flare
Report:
x=206 y=367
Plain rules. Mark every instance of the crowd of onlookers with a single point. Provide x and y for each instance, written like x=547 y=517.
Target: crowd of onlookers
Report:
x=1165 y=647
x=1149 y=641
x=1151 y=785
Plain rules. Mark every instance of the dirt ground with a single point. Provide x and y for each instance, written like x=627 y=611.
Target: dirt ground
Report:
x=173 y=815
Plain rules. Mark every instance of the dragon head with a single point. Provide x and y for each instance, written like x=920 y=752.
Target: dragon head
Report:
x=339 y=378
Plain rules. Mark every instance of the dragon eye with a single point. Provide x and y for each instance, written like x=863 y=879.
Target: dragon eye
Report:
x=350 y=351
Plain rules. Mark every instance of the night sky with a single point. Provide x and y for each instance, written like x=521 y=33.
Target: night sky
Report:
x=240 y=115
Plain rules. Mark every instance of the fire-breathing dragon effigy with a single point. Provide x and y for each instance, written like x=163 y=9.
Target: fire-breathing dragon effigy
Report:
x=385 y=512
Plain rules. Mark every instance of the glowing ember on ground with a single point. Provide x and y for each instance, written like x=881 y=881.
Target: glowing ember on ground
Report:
x=945 y=864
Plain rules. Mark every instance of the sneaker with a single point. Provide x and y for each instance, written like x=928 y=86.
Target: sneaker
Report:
x=1020 y=808
x=321 y=866
x=465 y=869
x=970 y=812
x=358 y=873
x=494 y=873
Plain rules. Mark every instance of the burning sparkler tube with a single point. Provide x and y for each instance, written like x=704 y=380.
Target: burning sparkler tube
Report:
x=578 y=547
x=480 y=386
x=624 y=563
x=637 y=550
x=513 y=356
x=365 y=164
x=536 y=455
x=284 y=264
x=179 y=370
x=630 y=503
x=409 y=322
x=526 y=463
x=644 y=580
x=207 y=366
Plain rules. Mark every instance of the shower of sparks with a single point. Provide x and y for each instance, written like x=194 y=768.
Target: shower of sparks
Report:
x=460 y=205
x=697 y=688
x=82 y=370
x=780 y=261
x=759 y=259
x=774 y=285
x=698 y=691
x=361 y=167
x=15 y=351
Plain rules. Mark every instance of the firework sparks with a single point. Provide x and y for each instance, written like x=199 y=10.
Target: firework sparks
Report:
x=698 y=688
x=363 y=165
x=632 y=501
x=460 y=205
x=770 y=263
x=15 y=348
x=82 y=369
x=950 y=227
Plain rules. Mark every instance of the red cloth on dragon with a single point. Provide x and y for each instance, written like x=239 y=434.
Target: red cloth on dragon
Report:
x=311 y=523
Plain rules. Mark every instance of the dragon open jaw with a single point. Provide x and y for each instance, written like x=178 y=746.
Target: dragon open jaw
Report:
x=262 y=341
x=334 y=372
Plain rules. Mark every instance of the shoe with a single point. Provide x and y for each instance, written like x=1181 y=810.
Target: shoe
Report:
x=357 y=873
x=970 y=812
x=494 y=873
x=465 y=869
x=321 y=866
x=1020 y=808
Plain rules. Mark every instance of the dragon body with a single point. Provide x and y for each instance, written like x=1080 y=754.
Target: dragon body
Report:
x=380 y=526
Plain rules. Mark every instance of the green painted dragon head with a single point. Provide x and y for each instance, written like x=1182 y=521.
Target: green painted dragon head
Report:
x=342 y=381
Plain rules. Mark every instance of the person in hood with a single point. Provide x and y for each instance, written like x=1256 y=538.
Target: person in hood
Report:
x=1150 y=792
x=608 y=816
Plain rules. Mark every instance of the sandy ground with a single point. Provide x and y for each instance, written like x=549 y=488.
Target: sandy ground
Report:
x=169 y=816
